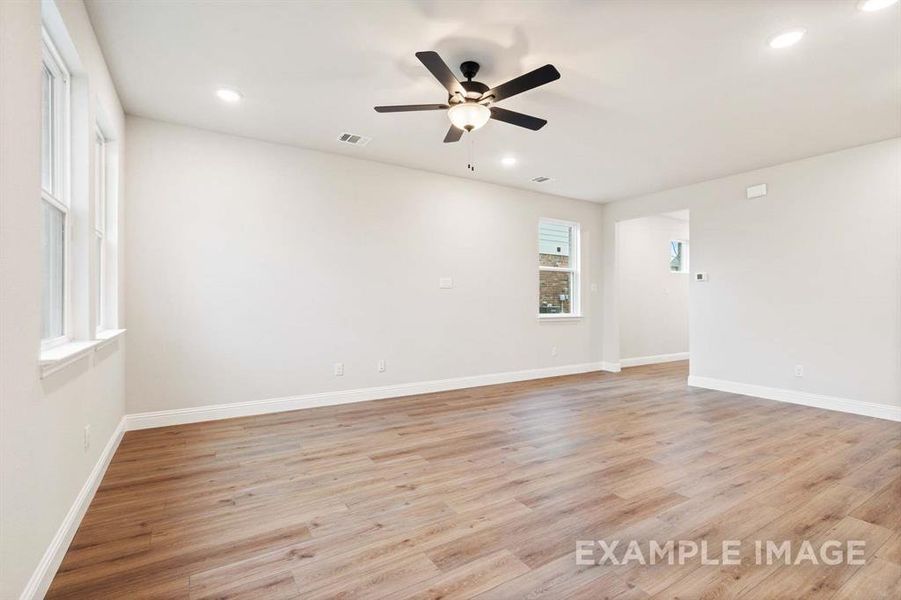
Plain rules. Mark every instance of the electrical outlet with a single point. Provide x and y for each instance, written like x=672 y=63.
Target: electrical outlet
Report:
x=339 y=369
x=382 y=366
x=445 y=283
x=87 y=437
x=799 y=370
x=553 y=350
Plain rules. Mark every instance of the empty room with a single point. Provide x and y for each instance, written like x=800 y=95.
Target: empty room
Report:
x=389 y=299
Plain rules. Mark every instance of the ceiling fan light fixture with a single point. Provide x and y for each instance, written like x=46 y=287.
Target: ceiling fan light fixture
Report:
x=467 y=101
x=787 y=39
x=468 y=115
x=229 y=95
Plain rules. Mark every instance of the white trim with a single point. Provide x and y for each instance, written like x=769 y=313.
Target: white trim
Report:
x=43 y=575
x=106 y=336
x=846 y=405
x=558 y=317
x=260 y=407
x=574 y=269
x=611 y=367
x=684 y=267
x=59 y=195
x=59 y=357
x=653 y=360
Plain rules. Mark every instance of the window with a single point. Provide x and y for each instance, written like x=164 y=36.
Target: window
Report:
x=54 y=197
x=100 y=220
x=678 y=256
x=558 y=268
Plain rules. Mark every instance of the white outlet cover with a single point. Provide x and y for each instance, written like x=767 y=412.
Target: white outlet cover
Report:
x=446 y=283
x=339 y=369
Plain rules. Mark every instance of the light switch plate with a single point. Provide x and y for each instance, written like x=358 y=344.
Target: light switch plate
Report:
x=446 y=283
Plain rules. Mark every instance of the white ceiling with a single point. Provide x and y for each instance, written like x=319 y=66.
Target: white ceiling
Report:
x=653 y=94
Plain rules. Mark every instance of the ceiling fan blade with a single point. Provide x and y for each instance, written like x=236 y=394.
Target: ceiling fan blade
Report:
x=441 y=71
x=515 y=118
x=523 y=83
x=410 y=107
x=453 y=135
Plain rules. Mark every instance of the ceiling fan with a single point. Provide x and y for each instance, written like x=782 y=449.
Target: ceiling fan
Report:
x=470 y=103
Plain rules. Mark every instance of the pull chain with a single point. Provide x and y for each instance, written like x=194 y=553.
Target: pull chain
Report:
x=471 y=166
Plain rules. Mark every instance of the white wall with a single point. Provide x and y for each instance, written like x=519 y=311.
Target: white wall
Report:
x=44 y=465
x=653 y=300
x=809 y=274
x=253 y=267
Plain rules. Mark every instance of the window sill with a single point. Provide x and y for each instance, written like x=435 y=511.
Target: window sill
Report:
x=59 y=357
x=558 y=317
x=106 y=336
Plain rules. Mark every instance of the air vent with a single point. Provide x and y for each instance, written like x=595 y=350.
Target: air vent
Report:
x=353 y=139
x=541 y=179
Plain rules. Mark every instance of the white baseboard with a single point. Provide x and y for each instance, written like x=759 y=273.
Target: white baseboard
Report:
x=653 y=360
x=857 y=407
x=273 y=405
x=610 y=367
x=43 y=575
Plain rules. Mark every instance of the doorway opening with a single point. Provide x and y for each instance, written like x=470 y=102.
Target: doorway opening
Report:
x=653 y=256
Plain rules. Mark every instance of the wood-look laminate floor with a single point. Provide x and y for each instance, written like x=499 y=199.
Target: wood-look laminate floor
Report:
x=482 y=493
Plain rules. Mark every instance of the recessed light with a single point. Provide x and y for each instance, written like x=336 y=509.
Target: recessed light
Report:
x=227 y=95
x=874 y=5
x=508 y=161
x=789 y=38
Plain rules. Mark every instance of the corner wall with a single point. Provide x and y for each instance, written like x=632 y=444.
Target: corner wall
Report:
x=809 y=274
x=44 y=466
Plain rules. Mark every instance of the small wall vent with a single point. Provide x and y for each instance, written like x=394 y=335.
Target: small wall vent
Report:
x=541 y=179
x=756 y=191
x=353 y=139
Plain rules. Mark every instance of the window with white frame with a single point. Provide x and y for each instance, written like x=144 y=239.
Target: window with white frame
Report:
x=558 y=268
x=54 y=197
x=678 y=256
x=100 y=230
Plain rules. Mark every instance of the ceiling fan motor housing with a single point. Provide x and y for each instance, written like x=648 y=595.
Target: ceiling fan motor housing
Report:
x=474 y=89
x=469 y=68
